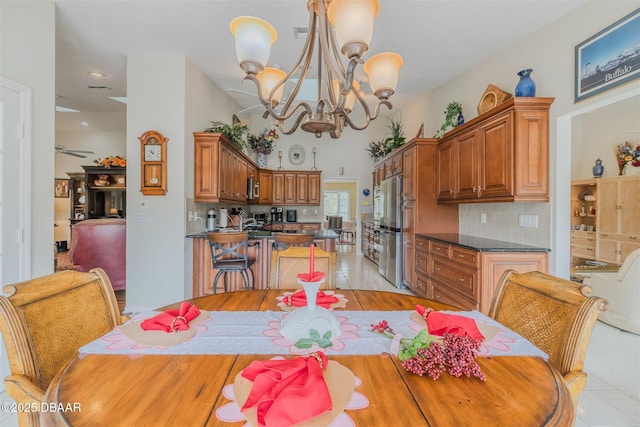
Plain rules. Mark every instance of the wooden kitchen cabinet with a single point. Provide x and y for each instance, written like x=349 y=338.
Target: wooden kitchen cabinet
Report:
x=314 y=192
x=445 y=179
x=220 y=171
x=617 y=213
x=465 y=277
x=369 y=240
x=296 y=188
x=302 y=188
x=265 y=180
x=499 y=156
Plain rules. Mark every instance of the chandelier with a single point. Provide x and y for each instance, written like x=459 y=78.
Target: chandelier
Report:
x=344 y=26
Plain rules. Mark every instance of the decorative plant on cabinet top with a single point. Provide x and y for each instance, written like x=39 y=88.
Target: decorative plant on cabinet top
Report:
x=454 y=109
x=234 y=132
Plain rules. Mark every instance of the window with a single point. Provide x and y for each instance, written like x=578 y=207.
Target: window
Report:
x=336 y=203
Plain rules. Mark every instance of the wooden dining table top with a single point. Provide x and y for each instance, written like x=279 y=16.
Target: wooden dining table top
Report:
x=186 y=390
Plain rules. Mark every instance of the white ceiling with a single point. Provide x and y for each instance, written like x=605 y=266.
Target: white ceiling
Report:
x=438 y=39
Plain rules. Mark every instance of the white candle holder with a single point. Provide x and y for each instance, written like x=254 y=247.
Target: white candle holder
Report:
x=298 y=323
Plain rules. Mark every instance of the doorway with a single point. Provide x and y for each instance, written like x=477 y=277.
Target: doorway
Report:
x=570 y=138
x=15 y=204
x=340 y=198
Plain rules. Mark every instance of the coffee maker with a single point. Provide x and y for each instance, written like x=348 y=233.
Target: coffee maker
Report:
x=276 y=214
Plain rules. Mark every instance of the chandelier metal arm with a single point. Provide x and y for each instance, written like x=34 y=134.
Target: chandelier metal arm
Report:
x=287 y=113
x=305 y=55
x=369 y=118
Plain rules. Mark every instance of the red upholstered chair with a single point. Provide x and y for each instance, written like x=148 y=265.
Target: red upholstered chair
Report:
x=101 y=243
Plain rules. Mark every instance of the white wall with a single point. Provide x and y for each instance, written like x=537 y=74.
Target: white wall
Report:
x=176 y=100
x=550 y=53
x=27 y=56
x=597 y=134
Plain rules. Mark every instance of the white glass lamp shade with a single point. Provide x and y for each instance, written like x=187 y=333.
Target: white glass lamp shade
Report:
x=382 y=70
x=269 y=78
x=254 y=37
x=351 y=97
x=353 y=24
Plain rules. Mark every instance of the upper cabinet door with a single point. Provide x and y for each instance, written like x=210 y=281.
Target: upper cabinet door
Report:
x=446 y=171
x=495 y=154
x=466 y=165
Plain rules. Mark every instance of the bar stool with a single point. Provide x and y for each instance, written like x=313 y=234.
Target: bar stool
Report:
x=230 y=254
x=335 y=224
x=285 y=240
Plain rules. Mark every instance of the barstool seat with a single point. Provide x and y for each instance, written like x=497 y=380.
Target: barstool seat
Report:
x=230 y=254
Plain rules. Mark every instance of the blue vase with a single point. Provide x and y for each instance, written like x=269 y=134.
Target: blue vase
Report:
x=460 y=119
x=598 y=169
x=526 y=86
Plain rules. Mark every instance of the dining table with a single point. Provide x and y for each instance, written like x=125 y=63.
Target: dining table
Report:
x=194 y=389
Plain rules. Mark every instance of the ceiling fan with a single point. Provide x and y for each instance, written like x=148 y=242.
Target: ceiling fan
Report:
x=253 y=107
x=76 y=153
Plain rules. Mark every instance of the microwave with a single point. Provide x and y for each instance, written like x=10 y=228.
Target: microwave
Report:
x=253 y=189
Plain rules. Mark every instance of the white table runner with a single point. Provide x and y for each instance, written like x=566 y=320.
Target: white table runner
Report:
x=257 y=332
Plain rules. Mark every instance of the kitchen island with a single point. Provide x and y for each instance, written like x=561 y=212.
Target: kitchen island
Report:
x=203 y=273
x=464 y=270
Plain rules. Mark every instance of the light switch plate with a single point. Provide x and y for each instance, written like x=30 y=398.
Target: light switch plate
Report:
x=528 y=221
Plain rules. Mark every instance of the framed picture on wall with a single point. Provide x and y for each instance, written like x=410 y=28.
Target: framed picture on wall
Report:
x=61 y=188
x=609 y=58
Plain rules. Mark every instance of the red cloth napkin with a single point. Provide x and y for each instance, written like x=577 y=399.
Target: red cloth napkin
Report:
x=299 y=299
x=287 y=392
x=172 y=320
x=440 y=323
x=308 y=277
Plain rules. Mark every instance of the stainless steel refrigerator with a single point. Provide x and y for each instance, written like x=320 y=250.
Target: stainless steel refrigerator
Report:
x=390 y=262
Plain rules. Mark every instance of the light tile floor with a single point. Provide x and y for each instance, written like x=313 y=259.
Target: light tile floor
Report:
x=612 y=395
x=610 y=399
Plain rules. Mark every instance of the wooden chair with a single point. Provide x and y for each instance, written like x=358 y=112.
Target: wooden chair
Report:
x=285 y=266
x=44 y=321
x=230 y=254
x=285 y=240
x=554 y=314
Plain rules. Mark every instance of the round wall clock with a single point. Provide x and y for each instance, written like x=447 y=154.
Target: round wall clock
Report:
x=296 y=154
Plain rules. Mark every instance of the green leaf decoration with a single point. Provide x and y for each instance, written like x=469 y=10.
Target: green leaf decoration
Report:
x=315 y=335
x=327 y=335
x=304 y=343
x=324 y=343
x=409 y=348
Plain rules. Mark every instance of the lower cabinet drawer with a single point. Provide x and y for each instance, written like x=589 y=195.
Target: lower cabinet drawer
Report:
x=464 y=256
x=464 y=282
x=583 y=252
x=421 y=286
x=442 y=293
x=422 y=261
x=439 y=249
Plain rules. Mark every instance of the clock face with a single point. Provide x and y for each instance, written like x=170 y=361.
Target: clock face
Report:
x=152 y=153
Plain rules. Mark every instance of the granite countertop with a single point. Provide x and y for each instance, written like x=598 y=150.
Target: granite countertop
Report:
x=265 y=234
x=482 y=244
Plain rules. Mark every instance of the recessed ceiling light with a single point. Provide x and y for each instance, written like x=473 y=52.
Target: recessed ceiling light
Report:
x=65 y=110
x=84 y=123
x=122 y=99
x=97 y=74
